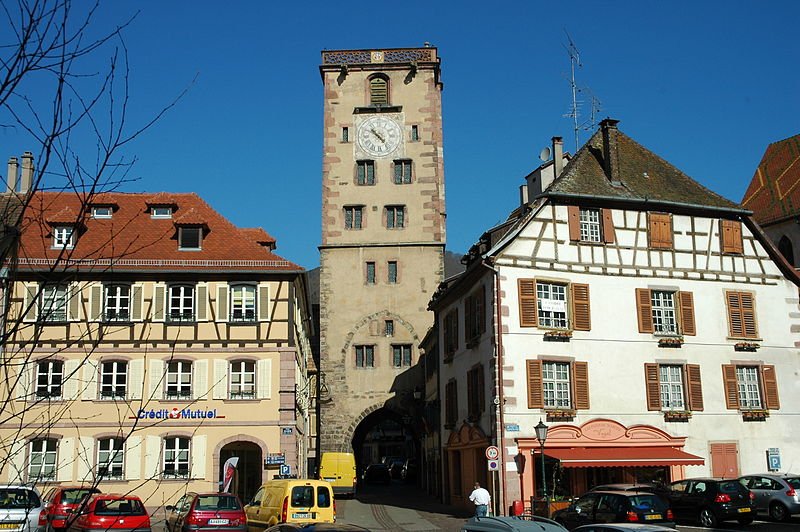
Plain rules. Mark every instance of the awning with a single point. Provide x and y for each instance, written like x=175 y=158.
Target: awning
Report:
x=622 y=457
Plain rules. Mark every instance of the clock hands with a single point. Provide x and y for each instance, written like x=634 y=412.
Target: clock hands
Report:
x=377 y=135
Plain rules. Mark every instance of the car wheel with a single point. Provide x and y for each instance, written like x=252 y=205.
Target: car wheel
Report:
x=778 y=512
x=745 y=520
x=707 y=518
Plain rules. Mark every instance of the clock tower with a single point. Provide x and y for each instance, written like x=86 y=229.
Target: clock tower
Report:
x=383 y=238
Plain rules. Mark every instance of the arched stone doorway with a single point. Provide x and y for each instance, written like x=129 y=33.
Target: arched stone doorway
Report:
x=249 y=471
x=383 y=433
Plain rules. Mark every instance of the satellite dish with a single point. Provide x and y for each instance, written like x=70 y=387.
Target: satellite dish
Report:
x=545 y=154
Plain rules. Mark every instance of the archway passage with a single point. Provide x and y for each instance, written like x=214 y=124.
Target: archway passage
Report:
x=248 y=472
x=384 y=436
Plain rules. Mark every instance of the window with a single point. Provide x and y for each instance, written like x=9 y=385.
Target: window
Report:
x=673 y=387
x=102 y=212
x=53 y=303
x=558 y=384
x=64 y=237
x=395 y=216
x=49 y=379
x=402 y=172
x=179 y=380
x=117 y=304
x=113 y=379
x=370 y=272
x=544 y=304
x=750 y=387
x=401 y=356
x=378 y=91
x=176 y=458
x=590 y=225
x=365 y=172
x=181 y=303
x=345 y=134
x=476 y=396
x=731 y=236
x=365 y=356
x=110 y=458
x=243 y=303
x=450 y=404
x=665 y=312
x=352 y=217
x=450 y=334
x=475 y=316
x=190 y=238
x=414 y=133
x=786 y=249
x=391 y=269
x=551 y=305
x=671 y=383
x=243 y=379
x=42 y=459
x=388 y=329
x=161 y=212
x=660 y=230
x=741 y=314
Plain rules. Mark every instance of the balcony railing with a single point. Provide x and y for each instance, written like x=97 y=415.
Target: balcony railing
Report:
x=243 y=395
x=179 y=473
x=116 y=316
x=113 y=395
x=246 y=316
x=178 y=394
x=181 y=317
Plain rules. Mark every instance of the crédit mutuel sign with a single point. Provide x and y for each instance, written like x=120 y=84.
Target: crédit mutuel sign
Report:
x=177 y=413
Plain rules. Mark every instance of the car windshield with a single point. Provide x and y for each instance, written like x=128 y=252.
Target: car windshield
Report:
x=217 y=502
x=75 y=495
x=793 y=482
x=18 y=498
x=646 y=503
x=119 y=507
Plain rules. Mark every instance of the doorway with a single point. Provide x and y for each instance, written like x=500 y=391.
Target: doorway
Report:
x=247 y=478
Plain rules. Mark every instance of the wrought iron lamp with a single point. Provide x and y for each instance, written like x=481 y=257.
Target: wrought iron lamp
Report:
x=541 y=435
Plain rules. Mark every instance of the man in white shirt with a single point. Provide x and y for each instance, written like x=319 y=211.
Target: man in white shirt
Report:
x=481 y=498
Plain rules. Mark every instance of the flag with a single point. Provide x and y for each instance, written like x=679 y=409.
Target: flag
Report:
x=228 y=470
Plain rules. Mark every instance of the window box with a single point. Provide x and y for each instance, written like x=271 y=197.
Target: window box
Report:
x=557 y=336
x=670 y=341
x=746 y=346
x=677 y=415
x=755 y=415
x=560 y=415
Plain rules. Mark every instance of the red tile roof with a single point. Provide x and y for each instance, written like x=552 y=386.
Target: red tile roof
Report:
x=774 y=192
x=131 y=240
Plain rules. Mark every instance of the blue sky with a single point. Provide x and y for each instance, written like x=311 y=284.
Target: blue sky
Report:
x=706 y=85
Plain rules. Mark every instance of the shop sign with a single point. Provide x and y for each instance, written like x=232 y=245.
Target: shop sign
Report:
x=275 y=459
x=178 y=413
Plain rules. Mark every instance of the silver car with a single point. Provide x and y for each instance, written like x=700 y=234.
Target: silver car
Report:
x=777 y=494
x=20 y=507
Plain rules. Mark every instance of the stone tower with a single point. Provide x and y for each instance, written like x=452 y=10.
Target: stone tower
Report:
x=383 y=235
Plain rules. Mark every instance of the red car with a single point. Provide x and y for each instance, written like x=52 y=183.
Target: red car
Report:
x=207 y=512
x=60 y=504
x=112 y=512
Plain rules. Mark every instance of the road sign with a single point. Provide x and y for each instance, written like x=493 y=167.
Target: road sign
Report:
x=286 y=470
x=774 y=459
x=492 y=453
x=494 y=465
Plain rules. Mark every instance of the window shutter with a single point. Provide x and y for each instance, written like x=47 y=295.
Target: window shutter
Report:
x=741 y=315
x=155 y=378
x=687 y=313
x=133 y=458
x=222 y=303
x=75 y=300
x=263 y=302
x=652 y=386
x=481 y=309
x=660 y=230
x=200 y=380
x=66 y=459
x=153 y=457
x=220 y=384
x=136 y=378
x=644 y=310
x=89 y=380
x=137 y=293
x=574 y=218
x=770 y=379
x=72 y=375
x=527 y=302
x=202 y=302
x=264 y=379
x=731 y=234
x=370 y=173
x=694 y=387
x=159 y=300
x=198 y=457
x=582 y=317
x=731 y=390
x=85 y=459
x=30 y=304
x=96 y=302
x=535 y=395
x=608 y=226
x=481 y=390
x=580 y=375
x=361 y=176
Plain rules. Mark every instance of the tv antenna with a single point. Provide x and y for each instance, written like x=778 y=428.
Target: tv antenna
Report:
x=575 y=108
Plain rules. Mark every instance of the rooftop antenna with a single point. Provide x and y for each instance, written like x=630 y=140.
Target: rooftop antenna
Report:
x=574 y=59
x=596 y=106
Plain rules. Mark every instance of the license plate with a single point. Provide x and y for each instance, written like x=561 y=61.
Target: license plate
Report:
x=218 y=521
x=330 y=479
x=9 y=525
x=652 y=517
x=305 y=515
x=743 y=510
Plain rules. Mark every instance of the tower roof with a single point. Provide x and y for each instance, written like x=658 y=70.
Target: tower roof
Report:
x=774 y=194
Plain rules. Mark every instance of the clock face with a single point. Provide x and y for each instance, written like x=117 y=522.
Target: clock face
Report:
x=379 y=136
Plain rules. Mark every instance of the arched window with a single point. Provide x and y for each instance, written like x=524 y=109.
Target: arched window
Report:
x=378 y=90
x=786 y=249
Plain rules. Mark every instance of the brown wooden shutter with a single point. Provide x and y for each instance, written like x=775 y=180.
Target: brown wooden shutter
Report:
x=482 y=309
x=741 y=315
x=660 y=225
x=687 y=313
x=527 y=302
x=644 y=310
x=574 y=217
x=694 y=387
x=581 y=312
x=770 y=378
x=731 y=235
x=731 y=390
x=652 y=386
x=608 y=226
x=724 y=460
x=535 y=395
x=580 y=376
x=481 y=390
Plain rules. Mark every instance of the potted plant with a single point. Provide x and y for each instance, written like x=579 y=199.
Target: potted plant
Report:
x=670 y=341
x=746 y=346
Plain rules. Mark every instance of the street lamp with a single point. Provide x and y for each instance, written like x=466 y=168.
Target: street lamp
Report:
x=541 y=435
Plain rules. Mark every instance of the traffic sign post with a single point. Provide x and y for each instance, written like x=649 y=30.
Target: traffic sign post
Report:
x=492 y=453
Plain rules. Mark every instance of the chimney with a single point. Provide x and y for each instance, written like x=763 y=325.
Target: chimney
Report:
x=26 y=182
x=13 y=169
x=558 y=156
x=610 y=150
x=523 y=195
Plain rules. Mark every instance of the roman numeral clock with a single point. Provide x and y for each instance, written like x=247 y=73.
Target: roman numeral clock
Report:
x=379 y=136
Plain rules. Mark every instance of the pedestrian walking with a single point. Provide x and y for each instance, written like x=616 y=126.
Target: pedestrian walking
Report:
x=481 y=498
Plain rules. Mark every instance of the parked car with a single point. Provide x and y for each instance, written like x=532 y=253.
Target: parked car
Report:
x=779 y=495
x=622 y=527
x=377 y=473
x=60 y=504
x=409 y=471
x=711 y=500
x=511 y=524
x=20 y=507
x=197 y=512
x=112 y=511
x=616 y=507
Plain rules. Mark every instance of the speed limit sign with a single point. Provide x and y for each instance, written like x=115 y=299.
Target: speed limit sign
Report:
x=492 y=453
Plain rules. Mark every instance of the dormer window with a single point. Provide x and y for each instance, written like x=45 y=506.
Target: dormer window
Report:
x=64 y=237
x=190 y=238
x=103 y=211
x=161 y=211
